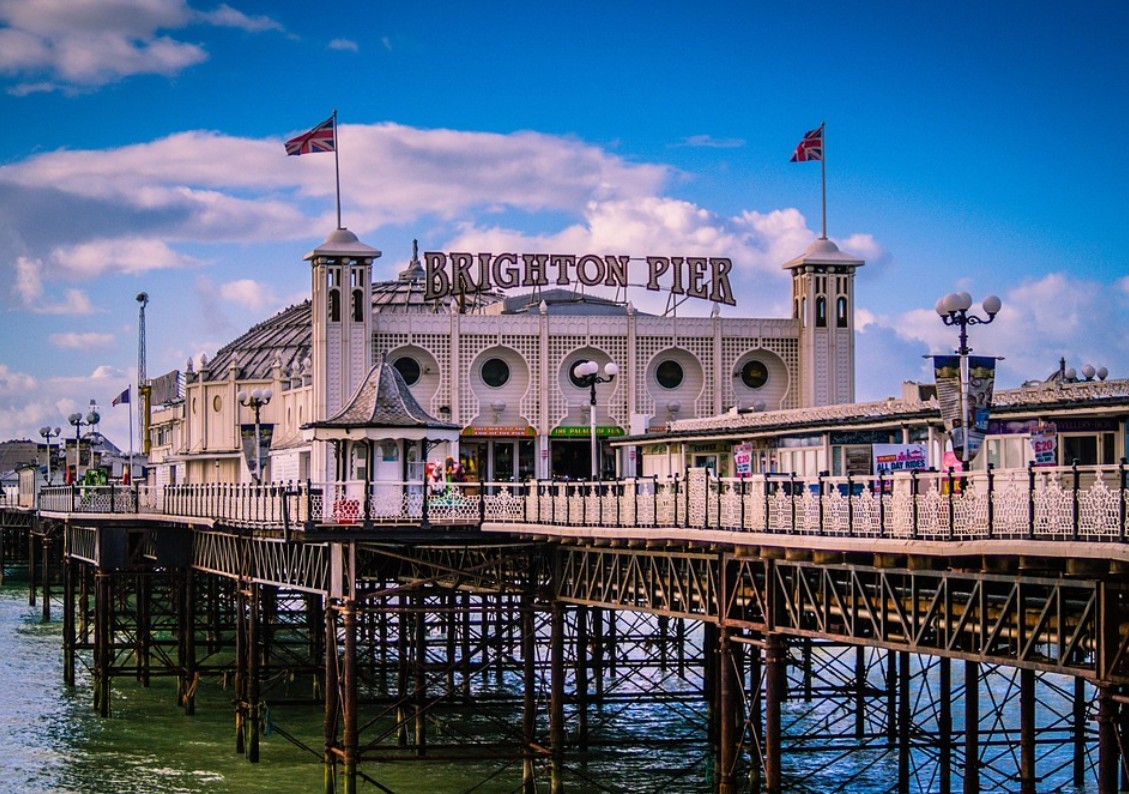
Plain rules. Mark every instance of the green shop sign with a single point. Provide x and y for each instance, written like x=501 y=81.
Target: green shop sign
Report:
x=571 y=431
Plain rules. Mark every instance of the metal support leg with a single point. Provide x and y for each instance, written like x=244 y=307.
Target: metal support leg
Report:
x=971 y=778
x=726 y=711
x=1109 y=755
x=1027 y=773
x=556 y=696
x=776 y=689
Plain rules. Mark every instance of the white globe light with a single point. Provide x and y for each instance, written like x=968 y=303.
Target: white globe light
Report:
x=940 y=307
x=965 y=301
x=992 y=305
x=267 y=394
x=1088 y=371
x=241 y=395
x=1102 y=374
x=611 y=369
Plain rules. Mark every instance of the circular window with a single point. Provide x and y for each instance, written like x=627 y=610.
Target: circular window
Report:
x=495 y=372
x=217 y=403
x=754 y=374
x=669 y=374
x=577 y=382
x=408 y=368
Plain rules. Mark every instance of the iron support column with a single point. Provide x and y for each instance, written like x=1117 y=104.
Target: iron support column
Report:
x=349 y=709
x=726 y=711
x=776 y=690
x=556 y=696
x=971 y=779
x=1027 y=774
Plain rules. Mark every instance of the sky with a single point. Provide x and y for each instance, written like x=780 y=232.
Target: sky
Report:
x=969 y=147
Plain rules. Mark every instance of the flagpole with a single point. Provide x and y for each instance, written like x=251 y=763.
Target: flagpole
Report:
x=337 y=167
x=131 y=447
x=822 y=175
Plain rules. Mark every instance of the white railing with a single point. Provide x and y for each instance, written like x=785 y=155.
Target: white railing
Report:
x=1053 y=503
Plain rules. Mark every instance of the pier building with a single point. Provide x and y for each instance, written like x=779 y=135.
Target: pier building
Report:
x=500 y=365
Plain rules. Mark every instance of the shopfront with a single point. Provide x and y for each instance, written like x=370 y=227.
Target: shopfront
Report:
x=570 y=452
x=498 y=454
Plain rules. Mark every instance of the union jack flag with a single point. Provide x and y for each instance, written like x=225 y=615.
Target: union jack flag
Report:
x=322 y=138
x=811 y=147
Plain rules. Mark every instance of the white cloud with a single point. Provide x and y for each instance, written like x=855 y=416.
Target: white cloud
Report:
x=89 y=340
x=82 y=44
x=16 y=382
x=344 y=44
x=1044 y=319
x=98 y=257
x=250 y=294
x=710 y=142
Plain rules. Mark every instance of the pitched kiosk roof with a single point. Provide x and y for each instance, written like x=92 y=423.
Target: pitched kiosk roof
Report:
x=382 y=407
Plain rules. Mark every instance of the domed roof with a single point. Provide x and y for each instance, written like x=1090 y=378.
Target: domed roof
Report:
x=822 y=251
x=286 y=337
x=406 y=293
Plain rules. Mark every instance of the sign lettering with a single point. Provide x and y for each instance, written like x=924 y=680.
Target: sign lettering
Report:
x=701 y=277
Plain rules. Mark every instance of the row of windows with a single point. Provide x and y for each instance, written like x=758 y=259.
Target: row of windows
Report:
x=669 y=374
x=821 y=311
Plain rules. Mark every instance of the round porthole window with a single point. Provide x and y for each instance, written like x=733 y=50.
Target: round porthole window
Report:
x=495 y=372
x=754 y=374
x=669 y=374
x=217 y=404
x=408 y=368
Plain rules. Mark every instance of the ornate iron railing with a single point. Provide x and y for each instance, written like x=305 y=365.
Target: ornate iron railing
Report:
x=1045 y=503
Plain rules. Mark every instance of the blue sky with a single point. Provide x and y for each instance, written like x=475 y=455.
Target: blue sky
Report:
x=969 y=146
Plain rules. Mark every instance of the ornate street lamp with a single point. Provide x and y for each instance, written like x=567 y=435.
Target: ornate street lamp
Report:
x=953 y=310
x=79 y=421
x=587 y=374
x=48 y=433
x=256 y=399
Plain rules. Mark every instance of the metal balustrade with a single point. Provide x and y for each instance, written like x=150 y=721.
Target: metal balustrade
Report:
x=1045 y=503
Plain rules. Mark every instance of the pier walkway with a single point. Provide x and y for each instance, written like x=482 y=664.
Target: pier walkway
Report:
x=1021 y=569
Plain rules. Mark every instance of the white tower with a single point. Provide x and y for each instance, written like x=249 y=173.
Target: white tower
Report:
x=823 y=301
x=341 y=272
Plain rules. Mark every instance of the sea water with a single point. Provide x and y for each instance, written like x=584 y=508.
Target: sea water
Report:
x=52 y=740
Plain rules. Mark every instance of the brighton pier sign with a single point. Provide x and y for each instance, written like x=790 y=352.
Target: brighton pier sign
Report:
x=455 y=273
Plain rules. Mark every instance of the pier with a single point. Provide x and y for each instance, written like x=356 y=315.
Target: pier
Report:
x=953 y=627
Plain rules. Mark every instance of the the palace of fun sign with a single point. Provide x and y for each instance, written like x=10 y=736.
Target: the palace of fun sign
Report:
x=463 y=273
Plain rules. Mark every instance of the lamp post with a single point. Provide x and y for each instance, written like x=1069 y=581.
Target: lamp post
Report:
x=48 y=433
x=79 y=422
x=256 y=399
x=587 y=374
x=953 y=310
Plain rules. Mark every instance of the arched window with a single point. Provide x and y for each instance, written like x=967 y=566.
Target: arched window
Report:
x=334 y=306
x=358 y=306
x=821 y=312
x=841 y=313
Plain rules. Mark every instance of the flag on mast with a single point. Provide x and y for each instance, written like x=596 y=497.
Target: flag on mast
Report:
x=322 y=138
x=121 y=398
x=811 y=147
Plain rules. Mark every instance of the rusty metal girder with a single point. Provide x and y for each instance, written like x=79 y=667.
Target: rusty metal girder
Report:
x=1043 y=623
x=494 y=568
x=300 y=566
x=665 y=583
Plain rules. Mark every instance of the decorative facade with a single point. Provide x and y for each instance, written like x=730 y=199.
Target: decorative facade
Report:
x=499 y=366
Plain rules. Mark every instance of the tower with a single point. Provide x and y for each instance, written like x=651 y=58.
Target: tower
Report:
x=341 y=277
x=823 y=301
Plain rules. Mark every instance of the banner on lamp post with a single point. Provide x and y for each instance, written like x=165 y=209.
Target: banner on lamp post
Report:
x=256 y=458
x=981 y=382
x=965 y=408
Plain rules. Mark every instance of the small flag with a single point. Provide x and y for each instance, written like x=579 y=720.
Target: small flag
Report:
x=811 y=147
x=121 y=398
x=322 y=138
